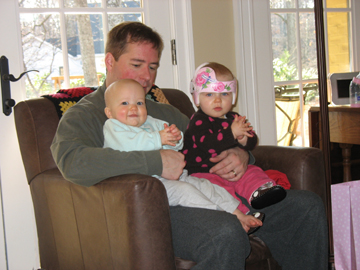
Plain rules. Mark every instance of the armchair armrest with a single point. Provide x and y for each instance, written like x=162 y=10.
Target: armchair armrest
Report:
x=304 y=166
x=121 y=223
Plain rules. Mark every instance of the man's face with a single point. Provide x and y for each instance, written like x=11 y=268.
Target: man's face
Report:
x=139 y=62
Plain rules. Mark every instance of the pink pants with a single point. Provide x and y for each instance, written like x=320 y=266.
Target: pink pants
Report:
x=253 y=178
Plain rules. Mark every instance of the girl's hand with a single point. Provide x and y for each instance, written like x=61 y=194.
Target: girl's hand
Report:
x=241 y=129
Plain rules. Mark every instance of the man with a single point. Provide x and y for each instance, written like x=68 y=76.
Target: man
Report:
x=295 y=229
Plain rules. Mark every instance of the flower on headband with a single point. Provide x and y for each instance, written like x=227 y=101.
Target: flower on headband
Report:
x=219 y=87
x=201 y=80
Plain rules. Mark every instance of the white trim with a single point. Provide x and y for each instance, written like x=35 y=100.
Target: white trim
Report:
x=256 y=98
x=184 y=44
x=159 y=18
x=83 y=10
x=245 y=61
x=173 y=36
x=239 y=56
x=64 y=50
x=21 y=237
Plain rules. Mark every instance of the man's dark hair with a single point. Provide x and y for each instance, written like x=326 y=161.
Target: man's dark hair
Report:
x=131 y=32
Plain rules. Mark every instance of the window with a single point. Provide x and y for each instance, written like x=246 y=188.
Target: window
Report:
x=64 y=40
x=295 y=60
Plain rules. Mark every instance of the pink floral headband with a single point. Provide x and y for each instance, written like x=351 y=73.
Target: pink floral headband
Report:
x=205 y=81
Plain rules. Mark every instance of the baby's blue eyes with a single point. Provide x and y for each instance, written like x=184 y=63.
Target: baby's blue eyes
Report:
x=137 y=103
x=211 y=94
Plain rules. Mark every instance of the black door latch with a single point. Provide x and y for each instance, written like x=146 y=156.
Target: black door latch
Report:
x=7 y=101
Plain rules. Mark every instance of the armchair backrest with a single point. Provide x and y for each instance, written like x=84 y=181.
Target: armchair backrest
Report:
x=36 y=122
x=179 y=100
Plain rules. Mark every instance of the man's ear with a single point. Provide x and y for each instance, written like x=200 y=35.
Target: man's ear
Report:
x=109 y=61
x=108 y=112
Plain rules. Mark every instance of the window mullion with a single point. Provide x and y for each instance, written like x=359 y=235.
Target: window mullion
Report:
x=299 y=54
x=301 y=85
x=64 y=48
x=105 y=20
x=326 y=39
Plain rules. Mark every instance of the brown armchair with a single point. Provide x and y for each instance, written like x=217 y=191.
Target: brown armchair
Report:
x=123 y=222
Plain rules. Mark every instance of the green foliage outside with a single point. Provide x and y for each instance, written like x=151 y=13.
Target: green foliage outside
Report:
x=77 y=83
x=102 y=78
x=38 y=86
x=285 y=71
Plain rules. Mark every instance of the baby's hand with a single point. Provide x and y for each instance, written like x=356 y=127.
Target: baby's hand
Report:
x=170 y=135
x=247 y=221
x=241 y=129
x=175 y=131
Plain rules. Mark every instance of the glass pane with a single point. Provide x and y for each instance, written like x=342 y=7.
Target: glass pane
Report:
x=289 y=121
x=85 y=43
x=42 y=51
x=337 y=3
x=306 y=3
x=283 y=27
x=287 y=113
x=282 y=3
x=38 y=3
x=338 y=41
x=82 y=3
x=115 y=19
x=124 y=3
x=308 y=46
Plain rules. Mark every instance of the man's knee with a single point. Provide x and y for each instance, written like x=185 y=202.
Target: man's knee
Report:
x=313 y=200
x=310 y=204
x=232 y=233
x=215 y=239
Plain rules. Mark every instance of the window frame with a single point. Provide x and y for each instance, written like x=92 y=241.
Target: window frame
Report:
x=63 y=11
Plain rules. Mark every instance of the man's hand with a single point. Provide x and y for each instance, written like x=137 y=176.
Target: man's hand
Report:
x=232 y=164
x=173 y=164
